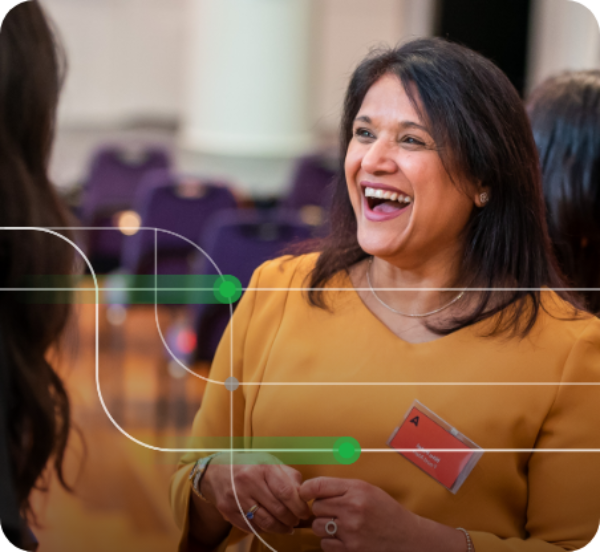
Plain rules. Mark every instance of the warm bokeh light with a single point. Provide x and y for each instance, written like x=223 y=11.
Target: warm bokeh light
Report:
x=312 y=215
x=128 y=222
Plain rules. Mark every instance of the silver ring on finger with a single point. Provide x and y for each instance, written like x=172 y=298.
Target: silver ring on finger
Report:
x=331 y=527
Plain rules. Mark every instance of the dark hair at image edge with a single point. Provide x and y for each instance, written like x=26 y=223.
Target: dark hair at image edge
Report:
x=482 y=133
x=565 y=117
x=38 y=407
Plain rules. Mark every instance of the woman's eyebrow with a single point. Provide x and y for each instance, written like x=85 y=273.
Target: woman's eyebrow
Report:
x=401 y=124
x=412 y=124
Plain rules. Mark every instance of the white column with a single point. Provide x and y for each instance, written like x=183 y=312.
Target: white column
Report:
x=419 y=18
x=564 y=36
x=248 y=77
x=347 y=30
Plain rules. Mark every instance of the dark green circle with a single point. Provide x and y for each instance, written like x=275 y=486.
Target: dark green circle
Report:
x=227 y=289
x=346 y=450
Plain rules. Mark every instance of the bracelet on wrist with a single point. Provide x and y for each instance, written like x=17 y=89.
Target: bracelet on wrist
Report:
x=470 y=547
x=197 y=474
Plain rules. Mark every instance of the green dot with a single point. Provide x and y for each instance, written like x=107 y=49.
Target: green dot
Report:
x=346 y=450
x=227 y=289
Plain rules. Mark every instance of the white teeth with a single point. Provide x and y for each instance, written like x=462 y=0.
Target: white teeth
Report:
x=383 y=194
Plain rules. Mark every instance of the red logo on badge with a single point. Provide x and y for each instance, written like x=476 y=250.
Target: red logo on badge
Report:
x=422 y=434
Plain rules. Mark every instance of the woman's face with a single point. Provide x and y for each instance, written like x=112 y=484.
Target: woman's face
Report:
x=407 y=207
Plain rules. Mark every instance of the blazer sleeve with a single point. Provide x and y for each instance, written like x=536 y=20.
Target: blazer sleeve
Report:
x=564 y=486
x=211 y=427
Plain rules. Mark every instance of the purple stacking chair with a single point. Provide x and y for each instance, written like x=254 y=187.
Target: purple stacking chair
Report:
x=115 y=174
x=181 y=205
x=239 y=242
x=310 y=181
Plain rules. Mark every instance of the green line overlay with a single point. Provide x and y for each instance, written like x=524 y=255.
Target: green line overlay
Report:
x=126 y=289
x=277 y=450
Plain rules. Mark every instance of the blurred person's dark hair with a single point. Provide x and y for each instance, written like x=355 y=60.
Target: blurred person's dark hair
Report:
x=565 y=117
x=482 y=134
x=37 y=409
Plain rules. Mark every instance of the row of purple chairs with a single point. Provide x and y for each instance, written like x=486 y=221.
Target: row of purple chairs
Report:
x=180 y=207
x=114 y=177
x=192 y=212
x=122 y=179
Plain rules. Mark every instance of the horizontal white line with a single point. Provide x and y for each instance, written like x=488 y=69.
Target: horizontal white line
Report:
x=482 y=450
x=407 y=450
x=297 y=289
x=424 y=383
x=108 y=289
x=420 y=289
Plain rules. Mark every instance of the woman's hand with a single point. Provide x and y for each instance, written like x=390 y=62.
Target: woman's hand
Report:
x=367 y=518
x=260 y=479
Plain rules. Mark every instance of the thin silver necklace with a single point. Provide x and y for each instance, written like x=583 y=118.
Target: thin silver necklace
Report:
x=423 y=315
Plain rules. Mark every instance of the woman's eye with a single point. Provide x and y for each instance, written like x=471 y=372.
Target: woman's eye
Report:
x=363 y=133
x=413 y=141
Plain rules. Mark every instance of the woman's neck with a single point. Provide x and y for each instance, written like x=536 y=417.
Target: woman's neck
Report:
x=418 y=288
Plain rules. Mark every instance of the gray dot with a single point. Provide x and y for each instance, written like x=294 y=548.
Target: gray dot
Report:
x=231 y=383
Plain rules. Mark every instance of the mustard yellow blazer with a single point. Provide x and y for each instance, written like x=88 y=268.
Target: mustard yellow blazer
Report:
x=540 y=392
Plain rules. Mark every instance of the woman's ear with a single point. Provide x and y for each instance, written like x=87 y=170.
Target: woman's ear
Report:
x=482 y=196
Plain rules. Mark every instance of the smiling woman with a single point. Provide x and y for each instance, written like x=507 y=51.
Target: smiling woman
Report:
x=392 y=153
x=427 y=333
x=444 y=127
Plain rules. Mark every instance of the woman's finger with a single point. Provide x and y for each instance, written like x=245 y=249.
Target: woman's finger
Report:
x=328 y=507
x=269 y=502
x=251 y=482
x=284 y=485
x=320 y=528
x=323 y=487
x=261 y=520
x=264 y=521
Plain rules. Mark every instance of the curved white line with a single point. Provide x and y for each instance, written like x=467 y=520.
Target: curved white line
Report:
x=160 y=333
x=97 y=340
x=99 y=391
x=231 y=450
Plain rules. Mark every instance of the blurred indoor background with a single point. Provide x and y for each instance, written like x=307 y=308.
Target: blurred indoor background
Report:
x=216 y=120
x=240 y=88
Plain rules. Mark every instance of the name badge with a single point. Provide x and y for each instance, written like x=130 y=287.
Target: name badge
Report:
x=422 y=430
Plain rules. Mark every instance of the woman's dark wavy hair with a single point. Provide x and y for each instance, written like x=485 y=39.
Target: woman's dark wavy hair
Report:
x=38 y=407
x=482 y=133
x=565 y=117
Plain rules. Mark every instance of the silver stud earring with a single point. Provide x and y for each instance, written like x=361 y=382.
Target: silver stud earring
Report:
x=484 y=197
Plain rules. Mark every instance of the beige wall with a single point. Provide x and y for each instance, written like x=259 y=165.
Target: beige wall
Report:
x=127 y=57
x=127 y=60
x=346 y=30
x=124 y=59
x=564 y=36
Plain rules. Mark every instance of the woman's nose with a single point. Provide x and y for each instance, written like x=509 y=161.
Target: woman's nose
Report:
x=379 y=158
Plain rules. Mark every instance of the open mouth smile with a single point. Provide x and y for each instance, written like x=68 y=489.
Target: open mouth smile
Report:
x=383 y=203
